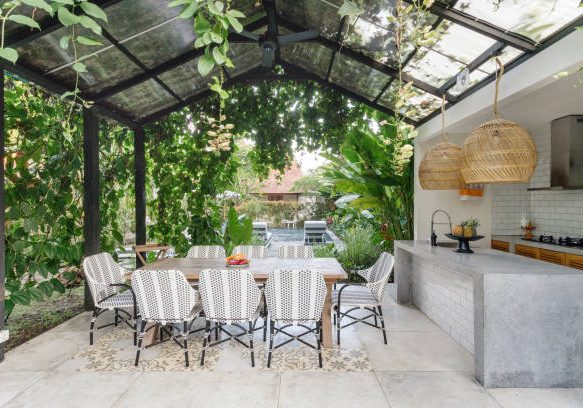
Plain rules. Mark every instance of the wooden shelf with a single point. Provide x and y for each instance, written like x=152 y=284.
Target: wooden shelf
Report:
x=500 y=245
x=547 y=255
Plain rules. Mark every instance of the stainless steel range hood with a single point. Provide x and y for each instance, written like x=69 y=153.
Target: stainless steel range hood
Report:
x=567 y=152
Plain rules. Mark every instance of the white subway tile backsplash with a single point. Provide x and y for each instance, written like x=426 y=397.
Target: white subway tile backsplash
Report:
x=556 y=212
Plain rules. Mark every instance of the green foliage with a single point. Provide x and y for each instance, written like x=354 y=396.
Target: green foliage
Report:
x=238 y=231
x=185 y=178
x=324 y=251
x=375 y=174
x=44 y=194
x=362 y=248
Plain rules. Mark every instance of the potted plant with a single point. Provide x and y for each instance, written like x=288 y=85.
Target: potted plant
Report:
x=470 y=227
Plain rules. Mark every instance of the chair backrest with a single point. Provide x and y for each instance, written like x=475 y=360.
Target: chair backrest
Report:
x=294 y=251
x=295 y=295
x=379 y=273
x=252 y=251
x=229 y=295
x=101 y=271
x=163 y=295
x=315 y=226
x=206 y=251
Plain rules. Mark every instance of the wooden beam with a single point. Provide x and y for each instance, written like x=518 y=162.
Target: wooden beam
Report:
x=91 y=224
x=140 y=187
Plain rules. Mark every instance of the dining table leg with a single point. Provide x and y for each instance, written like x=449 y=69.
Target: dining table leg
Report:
x=327 y=328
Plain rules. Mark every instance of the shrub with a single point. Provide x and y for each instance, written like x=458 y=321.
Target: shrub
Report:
x=362 y=248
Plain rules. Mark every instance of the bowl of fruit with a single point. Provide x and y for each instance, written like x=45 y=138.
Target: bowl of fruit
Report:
x=237 y=261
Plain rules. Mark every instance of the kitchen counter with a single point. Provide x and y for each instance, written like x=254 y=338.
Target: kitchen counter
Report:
x=517 y=239
x=520 y=317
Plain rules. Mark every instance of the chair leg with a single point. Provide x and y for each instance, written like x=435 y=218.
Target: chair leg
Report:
x=271 y=336
x=140 y=341
x=206 y=340
x=116 y=318
x=375 y=319
x=185 y=337
x=382 y=323
x=250 y=334
x=92 y=326
x=338 y=322
x=217 y=330
x=318 y=341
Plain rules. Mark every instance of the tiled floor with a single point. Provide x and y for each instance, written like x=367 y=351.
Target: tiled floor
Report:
x=420 y=367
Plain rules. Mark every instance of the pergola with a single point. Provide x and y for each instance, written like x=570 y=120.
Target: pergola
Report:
x=146 y=66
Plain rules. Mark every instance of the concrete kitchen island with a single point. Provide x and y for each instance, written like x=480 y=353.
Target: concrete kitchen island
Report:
x=522 y=319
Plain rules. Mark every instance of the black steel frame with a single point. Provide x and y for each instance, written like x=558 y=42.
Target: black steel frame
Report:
x=377 y=313
x=97 y=311
x=171 y=336
x=206 y=342
x=316 y=331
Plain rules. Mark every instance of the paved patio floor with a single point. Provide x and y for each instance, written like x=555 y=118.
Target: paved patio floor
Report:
x=420 y=367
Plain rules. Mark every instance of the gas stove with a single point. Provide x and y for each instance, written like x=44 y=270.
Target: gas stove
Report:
x=562 y=241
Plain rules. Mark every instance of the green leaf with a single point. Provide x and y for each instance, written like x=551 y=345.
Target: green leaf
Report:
x=189 y=10
x=199 y=42
x=80 y=67
x=67 y=2
x=94 y=10
x=201 y=25
x=177 y=3
x=215 y=7
x=9 y=54
x=39 y=4
x=24 y=20
x=237 y=26
x=350 y=9
x=46 y=288
x=88 y=41
x=70 y=276
x=236 y=14
x=90 y=24
x=218 y=56
x=64 y=41
x=206 y=63
x=57 y=285
x=216 y=37
x=20 y=298
x=35 y=294
x=67 y=18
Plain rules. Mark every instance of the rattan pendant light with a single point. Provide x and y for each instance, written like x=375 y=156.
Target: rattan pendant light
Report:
x=498 y=151
x=440 y=167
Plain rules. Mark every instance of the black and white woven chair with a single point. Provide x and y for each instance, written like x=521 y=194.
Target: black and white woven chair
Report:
x=295 y=251
x=229 y=297
x=206 y=251
x=106 y=283
x=295 y=298
x=366 y=296
x=165 y=298
x=252 y=251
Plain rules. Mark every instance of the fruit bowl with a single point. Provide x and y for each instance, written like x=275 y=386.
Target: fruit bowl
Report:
x=237 y=261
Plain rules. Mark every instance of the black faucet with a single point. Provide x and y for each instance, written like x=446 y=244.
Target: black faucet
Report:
x=433 y=234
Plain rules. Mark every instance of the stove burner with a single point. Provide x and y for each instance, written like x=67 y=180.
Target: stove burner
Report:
x=563 y=241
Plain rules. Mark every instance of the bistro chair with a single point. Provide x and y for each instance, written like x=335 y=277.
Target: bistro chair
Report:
x=206 y=251
x=252 y=251
x=229 y=297
x=106 y=284
x=295 y=251
x=165 y=298
x=364 y=296
x=295 y=298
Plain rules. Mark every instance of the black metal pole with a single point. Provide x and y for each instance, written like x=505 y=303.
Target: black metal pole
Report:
x=91 y=227
x=140 y=187
x=2 y=208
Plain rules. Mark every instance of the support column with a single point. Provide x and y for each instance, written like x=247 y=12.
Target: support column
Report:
x=140 y=187
x=91 y=225
x=2 y=216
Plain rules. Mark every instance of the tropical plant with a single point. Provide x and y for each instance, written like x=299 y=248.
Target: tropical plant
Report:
x=325 y=251
x=238 y=231
x=375 y=173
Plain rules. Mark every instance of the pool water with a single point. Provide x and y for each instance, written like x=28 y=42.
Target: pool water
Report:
x=283 y=235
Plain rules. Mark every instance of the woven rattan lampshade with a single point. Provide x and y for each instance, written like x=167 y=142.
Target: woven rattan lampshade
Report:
x=498 y=151
x=440 y=167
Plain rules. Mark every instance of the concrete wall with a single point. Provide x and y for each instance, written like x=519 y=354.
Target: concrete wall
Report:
x=427 y=201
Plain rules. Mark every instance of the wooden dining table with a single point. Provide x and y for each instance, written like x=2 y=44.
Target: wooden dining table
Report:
x=260 y=268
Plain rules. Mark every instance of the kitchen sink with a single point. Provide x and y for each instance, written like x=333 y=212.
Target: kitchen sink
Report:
x=447 y=244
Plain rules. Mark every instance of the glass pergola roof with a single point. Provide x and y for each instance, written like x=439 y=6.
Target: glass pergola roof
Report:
x=146 y=65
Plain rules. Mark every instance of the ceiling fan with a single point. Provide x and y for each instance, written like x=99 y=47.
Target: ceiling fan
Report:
x=270 y=41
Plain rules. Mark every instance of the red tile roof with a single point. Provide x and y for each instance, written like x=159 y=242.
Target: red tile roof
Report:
x=284 y=184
